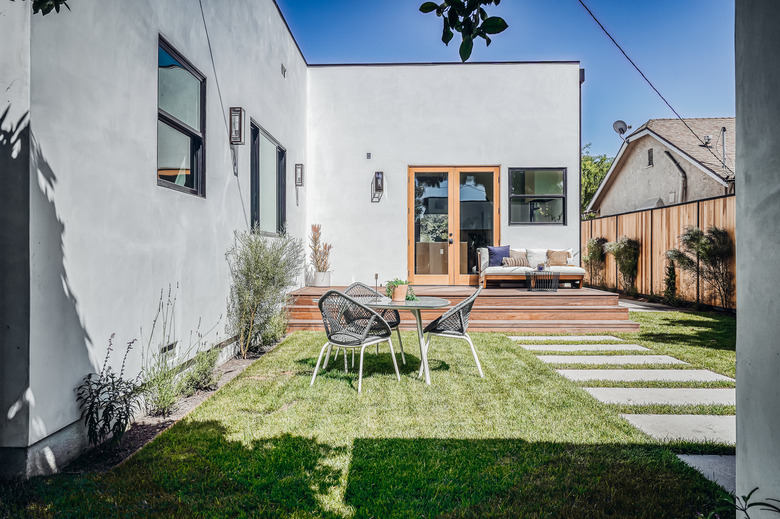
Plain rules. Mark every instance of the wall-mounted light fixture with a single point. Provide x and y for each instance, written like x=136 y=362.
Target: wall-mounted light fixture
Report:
x=236 y=125
x=299 y=174
x=377 y=186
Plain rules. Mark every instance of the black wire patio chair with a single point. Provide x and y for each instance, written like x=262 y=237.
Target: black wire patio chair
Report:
x=365 y=294
x=351 y=325
x=454 y=323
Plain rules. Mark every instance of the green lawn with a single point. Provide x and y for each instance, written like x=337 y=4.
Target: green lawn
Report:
x=522 y=442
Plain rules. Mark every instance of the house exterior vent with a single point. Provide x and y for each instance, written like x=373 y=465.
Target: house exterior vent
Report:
x=650 y=157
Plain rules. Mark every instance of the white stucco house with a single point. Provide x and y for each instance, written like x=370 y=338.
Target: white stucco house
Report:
x=119 y=178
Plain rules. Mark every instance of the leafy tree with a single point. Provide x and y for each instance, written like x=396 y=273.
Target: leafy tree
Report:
x=707 y=255
x=46 y=6
x=594 y=169
x=467 y=17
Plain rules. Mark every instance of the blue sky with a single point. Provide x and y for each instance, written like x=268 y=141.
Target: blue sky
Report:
x=686 y=48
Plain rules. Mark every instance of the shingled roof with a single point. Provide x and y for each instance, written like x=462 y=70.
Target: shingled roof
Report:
x=675 y=132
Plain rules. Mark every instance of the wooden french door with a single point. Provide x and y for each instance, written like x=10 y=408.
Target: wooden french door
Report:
x=452 y=211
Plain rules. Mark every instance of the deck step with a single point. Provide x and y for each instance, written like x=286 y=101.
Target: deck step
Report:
x=513 y=325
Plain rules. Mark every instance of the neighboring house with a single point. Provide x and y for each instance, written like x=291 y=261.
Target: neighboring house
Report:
x=118 y=179
x=663 y=163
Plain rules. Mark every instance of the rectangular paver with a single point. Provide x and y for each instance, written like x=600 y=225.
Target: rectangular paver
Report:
x=722 y=469
x=697 y=428
x=583 y=347
x=564 y=338
x=663 y=395
x=609 y=359
x=643 y=375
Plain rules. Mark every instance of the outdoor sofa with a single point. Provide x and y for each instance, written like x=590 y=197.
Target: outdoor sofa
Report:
x=569 y=273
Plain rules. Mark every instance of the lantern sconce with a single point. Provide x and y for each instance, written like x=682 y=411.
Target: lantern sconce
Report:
x=236 y=125
x=377 y=186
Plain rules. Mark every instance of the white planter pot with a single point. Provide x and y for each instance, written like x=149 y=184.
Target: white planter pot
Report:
x=322 y=279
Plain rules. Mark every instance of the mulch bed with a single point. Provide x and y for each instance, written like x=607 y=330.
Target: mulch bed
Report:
x=104 y=458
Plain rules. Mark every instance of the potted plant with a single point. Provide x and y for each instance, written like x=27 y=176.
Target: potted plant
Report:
x=320 y=256
x=400 y=290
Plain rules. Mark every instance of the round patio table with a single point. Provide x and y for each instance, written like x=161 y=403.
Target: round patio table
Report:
x=422 y=303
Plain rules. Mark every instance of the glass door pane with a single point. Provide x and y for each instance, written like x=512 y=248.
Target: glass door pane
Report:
x=477 y=197
x=431 y=228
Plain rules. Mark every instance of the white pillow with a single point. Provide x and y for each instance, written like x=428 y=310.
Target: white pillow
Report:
x=536 y=256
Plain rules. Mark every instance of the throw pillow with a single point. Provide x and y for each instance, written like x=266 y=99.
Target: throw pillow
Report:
x=517 y=261
x=557 y=258
x=496 y=254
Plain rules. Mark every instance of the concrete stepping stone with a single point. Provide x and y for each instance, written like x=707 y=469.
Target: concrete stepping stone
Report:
x=663 y=395
x=609 y=359
x=722 y=469
x=583 y=347
x=644 y=375
x=565 y=338
x=697 y=428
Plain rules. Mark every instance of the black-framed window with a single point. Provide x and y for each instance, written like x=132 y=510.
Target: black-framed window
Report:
x=181 y=122
x=268 y=182
x=537 y=196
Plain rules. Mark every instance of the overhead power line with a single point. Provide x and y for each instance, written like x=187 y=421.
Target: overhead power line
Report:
x=654 y=88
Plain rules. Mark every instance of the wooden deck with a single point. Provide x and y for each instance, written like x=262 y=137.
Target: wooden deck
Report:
x=499 y=310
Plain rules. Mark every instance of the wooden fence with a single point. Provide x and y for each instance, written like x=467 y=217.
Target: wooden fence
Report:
x=657 y=231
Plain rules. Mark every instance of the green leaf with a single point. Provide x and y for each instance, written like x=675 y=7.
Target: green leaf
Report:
x=494 y=25
x=466 y=47
x=428 y=7
x=482 y=14
x=447 y=34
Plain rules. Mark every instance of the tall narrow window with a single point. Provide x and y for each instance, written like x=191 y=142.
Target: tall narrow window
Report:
x=268 y=183
x=181 y=123
x=537 y=196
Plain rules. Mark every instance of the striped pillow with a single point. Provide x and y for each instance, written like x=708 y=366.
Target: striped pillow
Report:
x=515 y=261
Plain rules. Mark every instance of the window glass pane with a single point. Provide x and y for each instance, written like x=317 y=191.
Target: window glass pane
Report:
x=178 y=90
x=268 y=177
x=431 y=210
x=536 y=210
x=174 y=156
x=536 y=182
x=476 y=217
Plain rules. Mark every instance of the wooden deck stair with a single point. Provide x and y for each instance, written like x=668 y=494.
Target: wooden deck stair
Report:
x=499 y=310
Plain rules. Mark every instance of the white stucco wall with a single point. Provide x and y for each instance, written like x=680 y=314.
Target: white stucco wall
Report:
x=758 y=238
x=633 y=182
x=105 y=239
x=507 y=115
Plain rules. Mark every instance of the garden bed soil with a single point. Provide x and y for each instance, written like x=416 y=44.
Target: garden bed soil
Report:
x=143 y=431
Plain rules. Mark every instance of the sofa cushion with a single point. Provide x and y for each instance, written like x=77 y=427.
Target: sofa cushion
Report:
x=536 y=256
x=557 y=257
x=507 y=271
x=569 y=270
x=496 y=254
x=515 y=259
x=482 y=254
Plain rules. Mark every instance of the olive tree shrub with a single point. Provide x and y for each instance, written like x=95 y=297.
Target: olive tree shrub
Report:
x=595 y=260
x=708 y=255
x=263 y=269
x=626 y=253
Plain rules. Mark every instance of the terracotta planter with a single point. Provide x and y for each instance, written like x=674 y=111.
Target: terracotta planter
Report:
x=399 y=292
x=321 y=279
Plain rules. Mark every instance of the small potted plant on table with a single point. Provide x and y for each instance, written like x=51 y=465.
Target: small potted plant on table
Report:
x=400 y=290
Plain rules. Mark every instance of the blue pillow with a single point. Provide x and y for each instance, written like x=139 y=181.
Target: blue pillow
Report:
x=496 y=254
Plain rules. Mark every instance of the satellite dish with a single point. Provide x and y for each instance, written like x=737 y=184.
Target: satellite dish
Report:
x=620 y=127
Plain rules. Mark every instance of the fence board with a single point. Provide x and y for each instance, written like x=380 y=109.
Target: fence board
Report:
x=607 y=228
x=658 y=231
x=720 y=212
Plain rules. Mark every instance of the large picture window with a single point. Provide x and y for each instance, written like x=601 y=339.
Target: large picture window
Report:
x=181 y=125
x=537 y=196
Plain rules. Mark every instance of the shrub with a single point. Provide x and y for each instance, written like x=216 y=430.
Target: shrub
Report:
x=595 y=260
x=626 y=253
x=707 y=255
x=262 y=270
x=670 y=284
x=277 y=327
x=107 y=400
x=202 y=375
